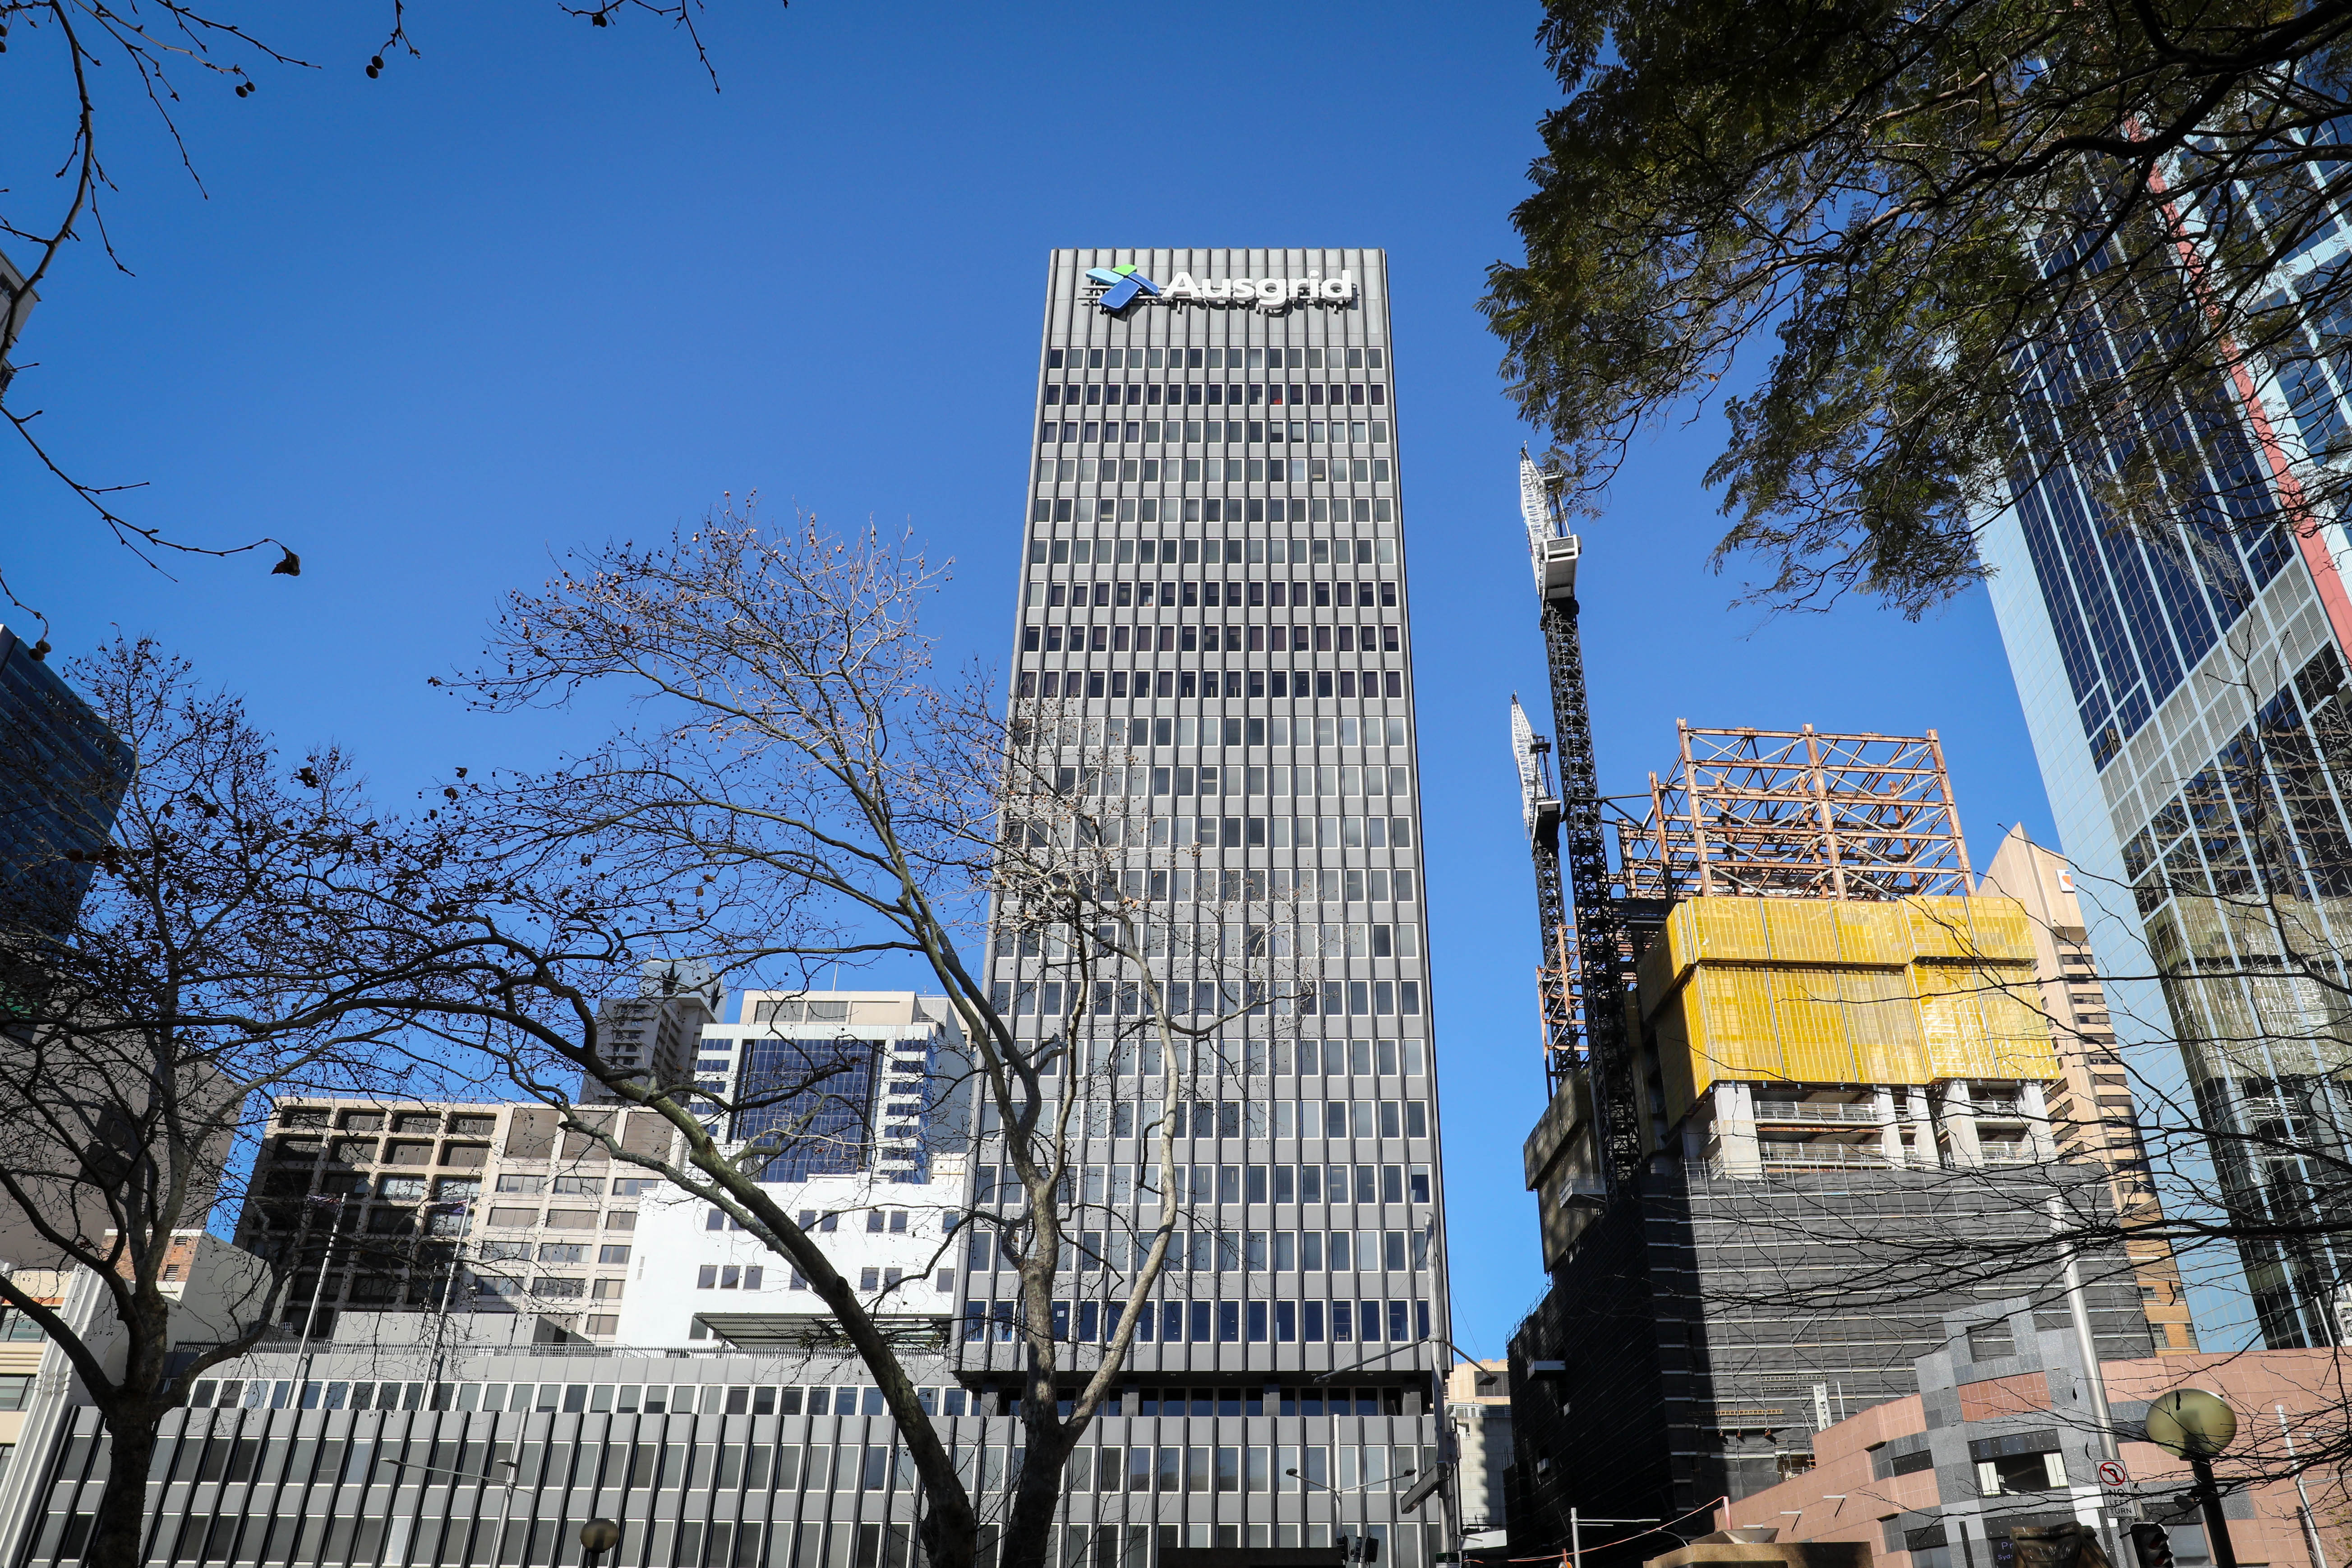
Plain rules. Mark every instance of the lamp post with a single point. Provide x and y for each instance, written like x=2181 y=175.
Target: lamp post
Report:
x=2192 y=1424
x=1361 y=1549
x=1449 y=1453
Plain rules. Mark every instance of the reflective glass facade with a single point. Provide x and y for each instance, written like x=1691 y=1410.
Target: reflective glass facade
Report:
x=2184 y=683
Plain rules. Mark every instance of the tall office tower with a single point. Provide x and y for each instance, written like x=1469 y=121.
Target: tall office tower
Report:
x=1213 y=582
x=1838 y=1096
x=2183 y=675
x=62 y=774
x=2091 y=1115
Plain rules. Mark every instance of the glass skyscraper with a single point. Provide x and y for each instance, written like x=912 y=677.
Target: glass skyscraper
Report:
x=62 y=777
x=1214 y=593
x=2183 y=676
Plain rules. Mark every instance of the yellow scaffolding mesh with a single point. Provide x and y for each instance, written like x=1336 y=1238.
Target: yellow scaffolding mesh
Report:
x=1912 y=990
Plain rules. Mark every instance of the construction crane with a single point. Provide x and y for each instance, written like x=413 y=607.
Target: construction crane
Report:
x=1581 y=983
x=1556 y=991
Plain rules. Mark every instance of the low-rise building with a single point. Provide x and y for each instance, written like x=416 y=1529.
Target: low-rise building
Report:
x=1478 y=1408
x=2003 y=1433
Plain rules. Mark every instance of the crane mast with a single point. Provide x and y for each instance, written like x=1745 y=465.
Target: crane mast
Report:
x=1581 y=983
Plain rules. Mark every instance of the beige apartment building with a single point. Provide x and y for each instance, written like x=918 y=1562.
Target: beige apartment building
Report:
x=2091 y=1115
x=373 y=1202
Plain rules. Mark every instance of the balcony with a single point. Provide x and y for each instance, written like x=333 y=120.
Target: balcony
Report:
x=1837 y=1112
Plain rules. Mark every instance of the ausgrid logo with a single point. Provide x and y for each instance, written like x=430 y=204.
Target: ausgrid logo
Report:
x=1122 y=284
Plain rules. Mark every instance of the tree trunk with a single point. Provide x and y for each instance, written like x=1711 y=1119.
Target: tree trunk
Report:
x=1029 y=1528
x=115 y=1536
x=948 y=1538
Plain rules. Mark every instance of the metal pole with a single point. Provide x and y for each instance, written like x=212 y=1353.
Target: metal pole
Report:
x=2087 y=1345
x=449 y=1288
x=1576 y=1541
x=2207 y=1493
x=318 y=1288
x=2303 y=1507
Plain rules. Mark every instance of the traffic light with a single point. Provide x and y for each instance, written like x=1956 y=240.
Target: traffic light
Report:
x=2152 y=1545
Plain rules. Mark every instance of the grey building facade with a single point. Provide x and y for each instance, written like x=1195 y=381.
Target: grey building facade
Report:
x=1214 y=587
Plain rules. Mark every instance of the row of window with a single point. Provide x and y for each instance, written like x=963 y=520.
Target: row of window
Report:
x=1234 y=1251
x=1216 y=1322
x=1209 y=432
x=1220 y=470
x=546 y=1287
x=1342 y=730
x=1333 y=998
x=1203 y=1186
x=403 y=1121
x=596 y=1398
x=1290 y=685
x=1196 y=550
x=1106 y=637
x=1212 y=508
x=1277 y=357
x=1218 y=395
x=551 y=1252
x=236 y=1459
x=1116 y=1468
x=1186 y=594
x=1129 y=1057
x=1343 y=779
x=1314 y=882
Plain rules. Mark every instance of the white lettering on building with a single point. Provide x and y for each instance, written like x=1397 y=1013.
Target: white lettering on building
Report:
x=1267 y=293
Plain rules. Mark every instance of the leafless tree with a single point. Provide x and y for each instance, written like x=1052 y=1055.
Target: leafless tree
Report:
x=92 y=66
x=804 y=790
x=212 y=966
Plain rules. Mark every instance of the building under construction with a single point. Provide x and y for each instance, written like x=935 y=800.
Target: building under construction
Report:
x=1798 y=1070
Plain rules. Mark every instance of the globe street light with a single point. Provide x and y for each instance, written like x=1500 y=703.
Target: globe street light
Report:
x=597 y=1537
x=2192 y=1424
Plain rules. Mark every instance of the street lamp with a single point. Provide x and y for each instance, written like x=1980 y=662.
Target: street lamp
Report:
x=1448 y=1452
x=2192 y=1424
x=597 y=1537
x=1362 y=1549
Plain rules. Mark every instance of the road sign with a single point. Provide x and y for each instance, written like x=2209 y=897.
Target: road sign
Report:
x=2111 y=1473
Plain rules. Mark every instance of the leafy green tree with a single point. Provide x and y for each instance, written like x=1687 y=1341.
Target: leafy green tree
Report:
x=1979 y=234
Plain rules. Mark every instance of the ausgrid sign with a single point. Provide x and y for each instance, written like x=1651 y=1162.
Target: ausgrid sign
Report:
x=1123 y=285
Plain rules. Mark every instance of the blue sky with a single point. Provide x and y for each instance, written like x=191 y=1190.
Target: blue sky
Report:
x=544 y=285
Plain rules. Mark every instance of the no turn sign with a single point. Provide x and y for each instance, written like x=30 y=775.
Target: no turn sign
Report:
x=2111 y=1473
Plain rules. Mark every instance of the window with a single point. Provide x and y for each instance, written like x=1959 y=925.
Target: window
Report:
x=562 y=1252
x=15 y=1390
x=612 y=1255
x=581 y=1186
x=522 y=1184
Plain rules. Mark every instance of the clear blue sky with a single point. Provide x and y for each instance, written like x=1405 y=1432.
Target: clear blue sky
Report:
x=544 y=285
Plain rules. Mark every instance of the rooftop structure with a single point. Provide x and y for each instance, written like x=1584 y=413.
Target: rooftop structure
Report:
x=1798 y=814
